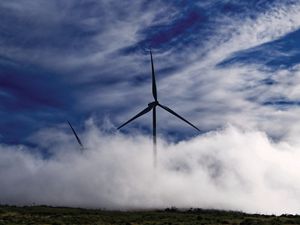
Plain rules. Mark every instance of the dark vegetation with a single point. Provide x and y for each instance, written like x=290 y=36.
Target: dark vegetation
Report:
x=57 y=215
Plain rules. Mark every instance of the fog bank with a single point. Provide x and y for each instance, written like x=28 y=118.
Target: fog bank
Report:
x=226 y=169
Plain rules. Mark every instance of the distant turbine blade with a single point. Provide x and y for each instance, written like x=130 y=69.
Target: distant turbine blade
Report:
x=175 y=114
x=154 y=91
x=144 y=111
x=78 y=140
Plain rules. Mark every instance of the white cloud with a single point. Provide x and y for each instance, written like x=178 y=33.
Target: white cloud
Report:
x=235 y=94
x=228 y=169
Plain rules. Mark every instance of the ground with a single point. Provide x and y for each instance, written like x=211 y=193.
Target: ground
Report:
x=58 y=215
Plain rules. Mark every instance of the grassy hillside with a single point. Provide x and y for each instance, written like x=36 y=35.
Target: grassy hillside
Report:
x=55 y=215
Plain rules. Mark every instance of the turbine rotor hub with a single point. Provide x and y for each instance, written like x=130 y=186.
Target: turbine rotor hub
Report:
x=152 y=104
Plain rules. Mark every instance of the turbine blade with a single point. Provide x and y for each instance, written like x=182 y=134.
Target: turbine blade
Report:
x=154 y=91
x=175 y=114
x=144 y=111
x=78 y=140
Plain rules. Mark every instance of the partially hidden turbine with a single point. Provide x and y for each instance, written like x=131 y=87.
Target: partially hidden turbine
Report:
x=152 y=106
x=76 y=136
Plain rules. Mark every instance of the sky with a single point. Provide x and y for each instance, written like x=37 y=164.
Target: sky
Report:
x=229 y=67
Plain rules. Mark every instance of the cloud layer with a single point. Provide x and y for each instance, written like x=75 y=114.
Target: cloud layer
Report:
x=227 y=169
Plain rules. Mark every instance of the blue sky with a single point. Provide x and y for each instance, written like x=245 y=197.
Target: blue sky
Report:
x=217 y=62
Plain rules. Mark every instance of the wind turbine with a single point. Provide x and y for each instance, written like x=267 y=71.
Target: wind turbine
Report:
x=76 y=136
x=152 y=106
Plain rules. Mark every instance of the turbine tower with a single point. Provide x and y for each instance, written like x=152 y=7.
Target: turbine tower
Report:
x=76 y=136
x=152 y=106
